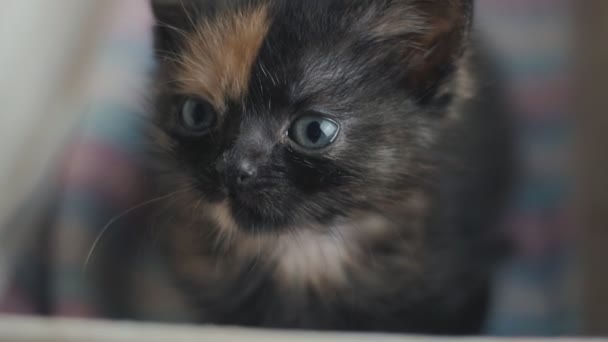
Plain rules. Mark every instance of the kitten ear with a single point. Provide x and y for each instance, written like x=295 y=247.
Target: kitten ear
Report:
x=173 y=18
x=435 y=34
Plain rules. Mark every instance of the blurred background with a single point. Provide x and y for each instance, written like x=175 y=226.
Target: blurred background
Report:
x=72 y=89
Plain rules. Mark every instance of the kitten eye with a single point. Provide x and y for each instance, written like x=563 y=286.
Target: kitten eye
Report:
x=197 y=116
x=314 y=131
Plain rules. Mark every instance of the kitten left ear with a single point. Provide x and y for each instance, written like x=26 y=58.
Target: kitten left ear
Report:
x=435 y=34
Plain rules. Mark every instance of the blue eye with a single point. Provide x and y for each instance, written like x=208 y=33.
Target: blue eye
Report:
x=314 y=131
x=197 y=116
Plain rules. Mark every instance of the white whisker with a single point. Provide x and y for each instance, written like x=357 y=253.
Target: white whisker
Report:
x=122 y=215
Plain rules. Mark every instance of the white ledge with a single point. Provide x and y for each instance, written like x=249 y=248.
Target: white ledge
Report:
x=26 y=329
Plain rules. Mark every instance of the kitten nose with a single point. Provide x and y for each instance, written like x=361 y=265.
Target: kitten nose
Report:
x=246 y=171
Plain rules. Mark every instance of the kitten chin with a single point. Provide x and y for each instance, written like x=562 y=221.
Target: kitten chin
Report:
x=339 y=165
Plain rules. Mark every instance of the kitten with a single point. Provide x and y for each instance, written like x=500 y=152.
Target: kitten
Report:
x=336 y=164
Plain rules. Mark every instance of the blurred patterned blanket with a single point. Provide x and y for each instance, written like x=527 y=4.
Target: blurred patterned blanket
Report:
x=100 y=175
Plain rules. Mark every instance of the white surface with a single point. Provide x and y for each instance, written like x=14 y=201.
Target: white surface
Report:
x=38 y=330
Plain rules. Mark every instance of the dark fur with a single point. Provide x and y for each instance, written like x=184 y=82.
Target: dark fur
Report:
x=416 y=148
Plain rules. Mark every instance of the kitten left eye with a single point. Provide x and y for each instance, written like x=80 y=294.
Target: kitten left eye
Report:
x=314 y=131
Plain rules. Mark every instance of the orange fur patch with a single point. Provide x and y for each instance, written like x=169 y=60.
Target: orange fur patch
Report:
x=220 y=54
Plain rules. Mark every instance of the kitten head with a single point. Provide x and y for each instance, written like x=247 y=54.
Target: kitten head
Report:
x=296 y=113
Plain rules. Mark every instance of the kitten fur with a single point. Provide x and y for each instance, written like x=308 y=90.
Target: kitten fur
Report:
x=393 y=227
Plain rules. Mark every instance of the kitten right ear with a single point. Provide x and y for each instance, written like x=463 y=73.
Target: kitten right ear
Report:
x=173 y=18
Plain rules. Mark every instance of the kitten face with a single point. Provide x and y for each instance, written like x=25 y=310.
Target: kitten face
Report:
x=296 y=113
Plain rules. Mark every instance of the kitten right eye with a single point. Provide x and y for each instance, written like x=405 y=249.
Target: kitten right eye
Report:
x=196 y=117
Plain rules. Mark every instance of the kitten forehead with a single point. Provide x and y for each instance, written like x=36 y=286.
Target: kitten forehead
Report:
x=221 y=52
